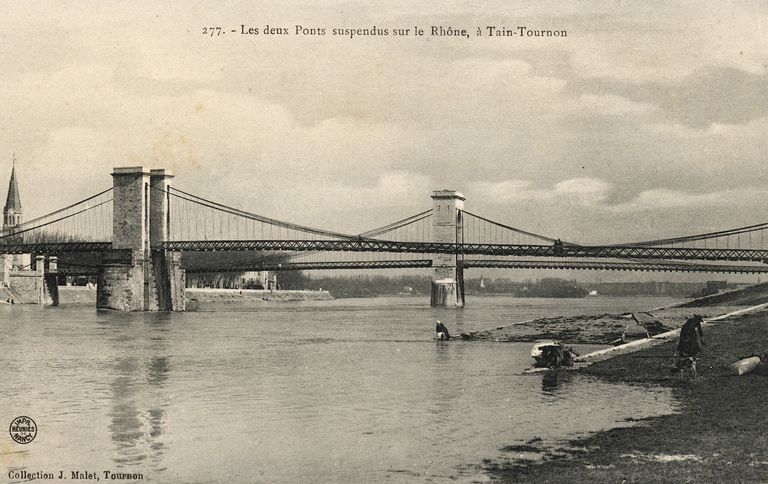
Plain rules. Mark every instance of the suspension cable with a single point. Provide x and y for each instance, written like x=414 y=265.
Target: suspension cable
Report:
x=703 y=236
x=252 y=216
x=16 y=233
x=396 y=225
x=28 y=222
x=519 y=231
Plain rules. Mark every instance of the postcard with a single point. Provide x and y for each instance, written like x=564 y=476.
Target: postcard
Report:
x=357 y=241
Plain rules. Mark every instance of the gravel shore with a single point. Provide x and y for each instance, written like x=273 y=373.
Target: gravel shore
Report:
x=588 y=329
x=718 y=436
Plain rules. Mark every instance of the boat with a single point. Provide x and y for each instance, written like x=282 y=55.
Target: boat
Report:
x=541 y=347
x=637 y=328
x=550 y=353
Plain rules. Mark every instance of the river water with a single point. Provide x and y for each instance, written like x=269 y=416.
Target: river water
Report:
x=351 y=390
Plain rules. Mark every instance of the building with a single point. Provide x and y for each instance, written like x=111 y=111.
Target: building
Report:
x=13 y=218
x=258 y=280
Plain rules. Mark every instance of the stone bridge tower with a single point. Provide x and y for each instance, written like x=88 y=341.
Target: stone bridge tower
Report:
x=138 y=275
x=448 y=276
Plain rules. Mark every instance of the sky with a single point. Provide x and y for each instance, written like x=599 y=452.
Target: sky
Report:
x=648 y=120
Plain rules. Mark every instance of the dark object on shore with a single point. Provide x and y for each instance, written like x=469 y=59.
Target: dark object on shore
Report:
x=552 y=354
x=683 y=363
x=442 y=331
x=688 y=346
x=643 y=325
x=690 y=342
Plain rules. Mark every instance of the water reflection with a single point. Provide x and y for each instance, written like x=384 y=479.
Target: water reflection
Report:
x=349 y=391
x=447 y=384
x=552 y=381
x=126 y=425
x=141 y=369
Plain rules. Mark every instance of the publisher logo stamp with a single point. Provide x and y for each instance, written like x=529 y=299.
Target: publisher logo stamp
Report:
x=23 y=430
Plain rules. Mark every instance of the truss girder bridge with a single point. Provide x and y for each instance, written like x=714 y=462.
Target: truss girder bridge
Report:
x=363 y=245
x=55 y=247
x=141 y=226
x=467 y=264
x=615 y=266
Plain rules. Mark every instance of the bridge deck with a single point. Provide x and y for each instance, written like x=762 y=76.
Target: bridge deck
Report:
x=370 y=245
x=467 y=264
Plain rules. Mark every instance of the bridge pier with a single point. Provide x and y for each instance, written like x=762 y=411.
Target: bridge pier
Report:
x=448 y=276
x=50 y=280
x=134 y=277
x=167 y=280
x=5 y=261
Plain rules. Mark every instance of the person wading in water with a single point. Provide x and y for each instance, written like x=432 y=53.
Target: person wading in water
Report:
x=441 y=329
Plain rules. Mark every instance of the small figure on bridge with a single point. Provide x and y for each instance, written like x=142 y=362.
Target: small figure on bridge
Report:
x=442 y=331
x=558 y=247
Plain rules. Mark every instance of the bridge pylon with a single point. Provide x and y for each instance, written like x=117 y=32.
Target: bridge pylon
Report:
x=135 y=276
x=448 y=276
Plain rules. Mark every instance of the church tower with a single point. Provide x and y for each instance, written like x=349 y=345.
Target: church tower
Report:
x=12 y=211
x=12 y=218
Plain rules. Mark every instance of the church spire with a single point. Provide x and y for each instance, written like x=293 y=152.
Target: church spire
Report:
x=12 y=210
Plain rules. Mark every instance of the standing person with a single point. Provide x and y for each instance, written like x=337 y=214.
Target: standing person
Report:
x=690 y=342
x=441 y=329
x=568 y=355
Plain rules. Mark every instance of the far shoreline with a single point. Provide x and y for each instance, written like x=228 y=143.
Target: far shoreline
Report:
x=210 y=295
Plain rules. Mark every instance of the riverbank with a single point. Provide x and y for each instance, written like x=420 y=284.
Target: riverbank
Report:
x=589 y=329
x=605 y=328
x=77 y=295
x=254 y=295
x=718 y=436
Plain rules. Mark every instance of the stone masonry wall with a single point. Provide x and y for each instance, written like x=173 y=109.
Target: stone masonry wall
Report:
x=28 y=286
x=129 y=224
x=167 y=282
x=121 y=288
x=25 y=286
x=444 y=229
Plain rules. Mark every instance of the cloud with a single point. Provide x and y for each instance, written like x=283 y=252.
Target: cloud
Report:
x=609 y=104
x=585 y=191
x=665 y=199
x=709 y=94
x=595 y=193
x=588 y=191
x=641 y=110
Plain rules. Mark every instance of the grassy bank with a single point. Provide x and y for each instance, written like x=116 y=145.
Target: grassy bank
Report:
x=719 y=435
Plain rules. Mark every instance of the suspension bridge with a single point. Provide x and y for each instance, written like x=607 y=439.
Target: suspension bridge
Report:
x=137 y=237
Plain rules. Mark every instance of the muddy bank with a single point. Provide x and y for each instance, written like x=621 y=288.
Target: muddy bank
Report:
x=718 y=436
x=743 y=296
x=606 y=328
x=588 y=329
x=253 y=295
x=77 y=295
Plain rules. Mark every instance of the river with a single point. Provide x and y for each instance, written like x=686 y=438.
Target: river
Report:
x=352 y=390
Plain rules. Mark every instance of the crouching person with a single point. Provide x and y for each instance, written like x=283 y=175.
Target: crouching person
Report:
x=442 y=331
